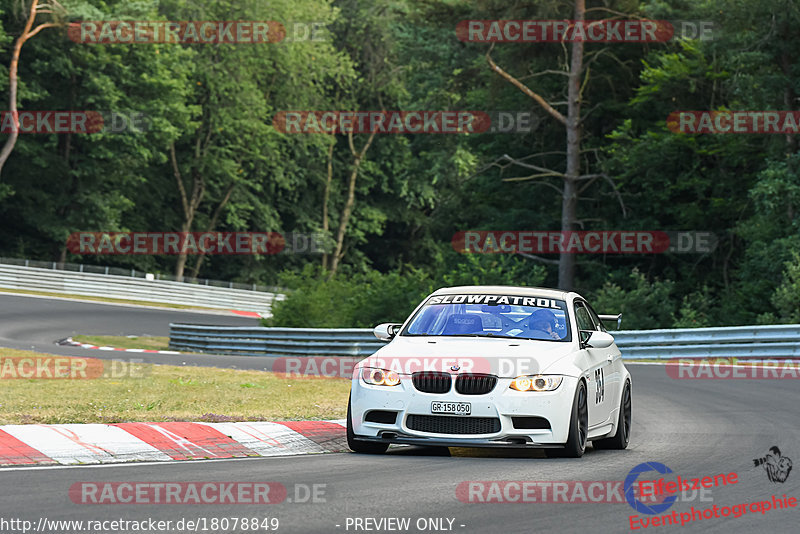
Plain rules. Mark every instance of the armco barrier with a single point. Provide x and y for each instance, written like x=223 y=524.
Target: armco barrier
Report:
x=264 y=341
x=779 y=341
x=773 y=341
x=123 y=287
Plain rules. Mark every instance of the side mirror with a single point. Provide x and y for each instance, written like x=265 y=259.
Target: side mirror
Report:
x=599 y=340
x=386 y=331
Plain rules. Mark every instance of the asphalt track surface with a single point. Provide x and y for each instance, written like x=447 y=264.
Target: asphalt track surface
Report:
x=695 y=427
x=35 y=323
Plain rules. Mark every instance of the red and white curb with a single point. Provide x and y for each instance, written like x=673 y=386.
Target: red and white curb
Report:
x=74 y=444
x=254 y=315
x=69 y=342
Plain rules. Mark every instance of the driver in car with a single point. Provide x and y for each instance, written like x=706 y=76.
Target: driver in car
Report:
x=544 y=321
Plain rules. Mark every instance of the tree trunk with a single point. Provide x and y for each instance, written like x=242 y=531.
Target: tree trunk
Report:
x=566 y=263
x=180 y=265
x=188 y=203
x=358 y=157
x=326 y=198
x=211 y=225
x=785 y=32
x=572 y=124
x=62 y=256
x=12 y=80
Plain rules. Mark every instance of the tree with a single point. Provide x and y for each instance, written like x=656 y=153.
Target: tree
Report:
x=786 y=298
x=56 y=11
x=364 y=31
x=741 y=187
x=229 y=148
x=69 y=182
x=572 y=122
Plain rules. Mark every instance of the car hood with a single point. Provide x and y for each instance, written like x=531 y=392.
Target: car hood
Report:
x=502 y=357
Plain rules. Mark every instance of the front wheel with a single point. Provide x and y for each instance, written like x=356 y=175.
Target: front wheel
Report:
x=622 y=437
x=357 y=445
x=578 y=428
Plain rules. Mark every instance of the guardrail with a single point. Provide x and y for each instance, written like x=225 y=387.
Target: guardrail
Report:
x=779 y=341
x=270 y=341
x=134 y=273
x=771 y=341
x=140 y=289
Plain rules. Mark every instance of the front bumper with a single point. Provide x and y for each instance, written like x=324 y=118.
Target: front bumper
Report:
x=502 y=403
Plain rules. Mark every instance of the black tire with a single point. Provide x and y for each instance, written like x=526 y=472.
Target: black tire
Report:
x=357 y=445
x=578 y=427
x=623 y=435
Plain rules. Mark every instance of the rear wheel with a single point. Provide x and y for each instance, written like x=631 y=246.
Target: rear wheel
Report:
x=358 y=445
x=622 y=437
x=578 y=427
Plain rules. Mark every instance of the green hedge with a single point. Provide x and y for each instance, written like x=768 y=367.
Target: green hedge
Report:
x=363 y=300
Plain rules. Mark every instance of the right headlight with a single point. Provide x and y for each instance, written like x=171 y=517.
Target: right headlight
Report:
x=379 y=377
x=536 y=382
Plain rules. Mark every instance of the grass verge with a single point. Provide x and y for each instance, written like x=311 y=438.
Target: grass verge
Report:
x=165 y=393
x=126 y=342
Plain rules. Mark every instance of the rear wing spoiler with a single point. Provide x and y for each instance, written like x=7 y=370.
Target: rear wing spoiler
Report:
x=617 y=318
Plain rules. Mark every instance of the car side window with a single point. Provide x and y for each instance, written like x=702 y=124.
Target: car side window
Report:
x=598 y=323
x=584 y=320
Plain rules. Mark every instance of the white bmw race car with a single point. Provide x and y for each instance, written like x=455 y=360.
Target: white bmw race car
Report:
x=493 y=366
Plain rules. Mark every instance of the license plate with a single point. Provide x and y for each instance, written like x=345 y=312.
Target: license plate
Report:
x=456 y=408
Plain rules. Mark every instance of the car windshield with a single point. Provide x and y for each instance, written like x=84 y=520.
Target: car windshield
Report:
x=502 y=316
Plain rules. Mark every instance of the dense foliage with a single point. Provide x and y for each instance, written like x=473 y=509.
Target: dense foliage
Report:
x=212 y=107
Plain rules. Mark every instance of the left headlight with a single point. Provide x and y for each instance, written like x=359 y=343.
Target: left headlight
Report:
x=380 y=377
x=536 y=383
